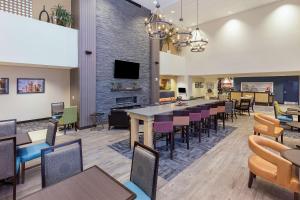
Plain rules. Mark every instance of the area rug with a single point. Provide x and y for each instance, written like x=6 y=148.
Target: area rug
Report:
x=183 y=157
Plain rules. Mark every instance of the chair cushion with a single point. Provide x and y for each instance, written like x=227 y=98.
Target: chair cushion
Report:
x=140 y=194
x=262 y=129
x=262 y=168
x=285 y=118
x=18 y=162
x=31 y=152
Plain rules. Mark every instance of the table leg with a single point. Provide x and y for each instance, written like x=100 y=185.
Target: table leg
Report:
x=148 y=135
x=134 y=131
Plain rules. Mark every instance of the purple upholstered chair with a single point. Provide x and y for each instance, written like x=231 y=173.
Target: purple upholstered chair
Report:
x=163 y=126
x=181 y=119
x=195 y=120
x=205 y=116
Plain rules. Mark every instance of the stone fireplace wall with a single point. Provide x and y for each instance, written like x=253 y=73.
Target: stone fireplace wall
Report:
x=121 y=36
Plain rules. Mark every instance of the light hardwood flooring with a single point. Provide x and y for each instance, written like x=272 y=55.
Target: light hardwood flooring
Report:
x=221 y=173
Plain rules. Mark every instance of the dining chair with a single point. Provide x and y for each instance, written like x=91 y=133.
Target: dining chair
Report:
x=196 y=120
x=9 y=163
x=8 y=127
x=163 y=127
x=60 y=162
x=69 y=118
x=181 y=119
x=244 y=106
x=32 y=152
x=266 y=163
x=57 y=110
x=144 y=172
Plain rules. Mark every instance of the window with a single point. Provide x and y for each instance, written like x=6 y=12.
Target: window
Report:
x=19 y=7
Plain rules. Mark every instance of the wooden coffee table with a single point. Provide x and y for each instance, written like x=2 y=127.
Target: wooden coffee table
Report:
x=292 y=155
x=293 y=125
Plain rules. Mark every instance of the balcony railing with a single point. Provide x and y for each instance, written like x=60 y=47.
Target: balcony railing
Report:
x=29 y=42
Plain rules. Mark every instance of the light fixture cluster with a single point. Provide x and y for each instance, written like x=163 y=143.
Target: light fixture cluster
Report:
x=158 y=27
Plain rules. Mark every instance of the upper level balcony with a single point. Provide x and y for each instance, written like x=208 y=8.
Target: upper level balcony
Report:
x=29 y=42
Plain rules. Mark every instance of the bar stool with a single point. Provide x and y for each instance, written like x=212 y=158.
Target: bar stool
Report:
x=181 y=119
x=205 y=117
x=213 y=112
x=195 y=120
x=221 y=112
x=163 y=125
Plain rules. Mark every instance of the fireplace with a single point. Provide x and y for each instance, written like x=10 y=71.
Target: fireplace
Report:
x=126 y=100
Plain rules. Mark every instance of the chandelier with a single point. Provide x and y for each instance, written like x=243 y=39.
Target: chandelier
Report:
x=156 y=25
x=199 y=39
x=182 y=34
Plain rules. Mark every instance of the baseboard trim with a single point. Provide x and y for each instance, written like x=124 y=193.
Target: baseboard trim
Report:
x=33 y=120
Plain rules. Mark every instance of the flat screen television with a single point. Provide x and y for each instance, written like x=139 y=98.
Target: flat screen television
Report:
x=181 y=90
x=126 y=70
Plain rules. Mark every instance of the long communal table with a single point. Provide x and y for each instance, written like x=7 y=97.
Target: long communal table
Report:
x=147 y=114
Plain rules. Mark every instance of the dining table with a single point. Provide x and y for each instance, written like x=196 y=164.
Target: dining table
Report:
x=146 y=115
x=91 y=184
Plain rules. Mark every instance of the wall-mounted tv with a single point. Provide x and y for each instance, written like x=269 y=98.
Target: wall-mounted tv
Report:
x=126 y=70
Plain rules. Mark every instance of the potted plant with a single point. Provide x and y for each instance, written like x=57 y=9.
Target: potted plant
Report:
x=61 y=16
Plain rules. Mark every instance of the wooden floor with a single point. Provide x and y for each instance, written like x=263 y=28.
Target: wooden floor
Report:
x=221 y=173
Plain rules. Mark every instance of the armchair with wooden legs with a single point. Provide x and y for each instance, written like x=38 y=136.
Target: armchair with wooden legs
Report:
x=267 y=125
x=270 y=166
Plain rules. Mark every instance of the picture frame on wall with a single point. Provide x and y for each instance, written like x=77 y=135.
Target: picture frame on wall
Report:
x=30 y=85
x=199 y=85
x=4 y=86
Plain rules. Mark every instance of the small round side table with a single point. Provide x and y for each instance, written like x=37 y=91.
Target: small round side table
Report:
x=293 y=155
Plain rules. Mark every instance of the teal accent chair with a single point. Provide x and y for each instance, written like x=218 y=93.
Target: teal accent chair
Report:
x=144 y=172
x=281 y=115
x=32 y=152
x=68 y=118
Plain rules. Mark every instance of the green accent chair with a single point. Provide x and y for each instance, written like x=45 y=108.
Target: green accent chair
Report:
x=281 y=115
x=69 y=118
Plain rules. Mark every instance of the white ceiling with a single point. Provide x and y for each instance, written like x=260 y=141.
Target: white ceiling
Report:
x=208 y=9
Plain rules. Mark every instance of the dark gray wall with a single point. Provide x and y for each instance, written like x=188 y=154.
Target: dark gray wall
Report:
x=121 y=36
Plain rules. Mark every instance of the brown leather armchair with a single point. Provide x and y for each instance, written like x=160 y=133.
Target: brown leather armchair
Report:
x=271 y=166
x=267 y=125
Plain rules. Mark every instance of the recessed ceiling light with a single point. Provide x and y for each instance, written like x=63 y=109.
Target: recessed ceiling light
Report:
x=155 y=2
x=172 y=11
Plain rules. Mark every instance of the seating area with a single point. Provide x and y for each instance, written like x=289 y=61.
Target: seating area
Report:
x=149 y=100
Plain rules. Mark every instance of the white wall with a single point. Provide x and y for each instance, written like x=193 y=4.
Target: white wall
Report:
x=265 y=39
x=26 y=41
x=172 y=64
x=33 y=106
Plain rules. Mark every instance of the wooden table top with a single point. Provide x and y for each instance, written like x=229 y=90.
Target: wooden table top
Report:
x=294 y=124
x=22 y=139
x=293 y=155
x=150 y=111
x=91 y=184
x=293 y=112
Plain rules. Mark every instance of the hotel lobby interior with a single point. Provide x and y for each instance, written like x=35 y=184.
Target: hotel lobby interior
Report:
x=149 y=99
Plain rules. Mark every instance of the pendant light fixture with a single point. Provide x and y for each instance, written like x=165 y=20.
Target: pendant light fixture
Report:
x=156 y=25
x=199 y=39
x=183 y=35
